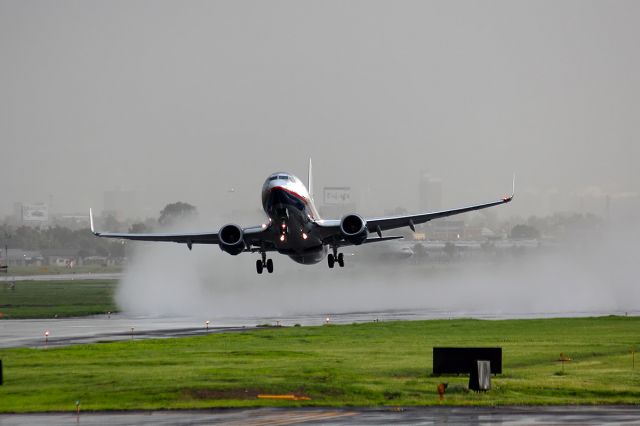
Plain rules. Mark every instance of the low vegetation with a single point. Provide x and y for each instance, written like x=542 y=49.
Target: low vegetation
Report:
x=56 y=299
x=372 y=364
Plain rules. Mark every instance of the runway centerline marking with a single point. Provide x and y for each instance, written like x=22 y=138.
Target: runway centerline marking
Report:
x=289 y=418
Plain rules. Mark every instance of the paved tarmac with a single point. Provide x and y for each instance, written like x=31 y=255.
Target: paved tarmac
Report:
x=604 y=415
x=104 y=328
x=62 y=277
x=101 y=328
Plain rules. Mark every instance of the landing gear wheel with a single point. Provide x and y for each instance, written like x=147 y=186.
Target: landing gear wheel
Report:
x=270 y=266
x=259 y=266
x=331 y=260
x=341 y=260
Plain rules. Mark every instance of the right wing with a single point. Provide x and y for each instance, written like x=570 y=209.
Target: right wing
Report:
x=330 y=229
x=383 y=223
x=344 y=243
x=380 y=224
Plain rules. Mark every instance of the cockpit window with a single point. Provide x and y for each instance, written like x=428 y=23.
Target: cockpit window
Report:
x=282 y=177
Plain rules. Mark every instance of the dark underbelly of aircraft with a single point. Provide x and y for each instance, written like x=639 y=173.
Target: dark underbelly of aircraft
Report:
x=305 y=255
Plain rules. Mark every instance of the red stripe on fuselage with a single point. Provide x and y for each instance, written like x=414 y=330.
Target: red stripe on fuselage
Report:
x=304 y=200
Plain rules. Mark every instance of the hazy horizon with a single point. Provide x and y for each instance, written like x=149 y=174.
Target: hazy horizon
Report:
x=185 y=100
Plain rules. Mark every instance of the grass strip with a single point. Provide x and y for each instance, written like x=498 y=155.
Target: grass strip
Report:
x=372 y=364
x=56 y=299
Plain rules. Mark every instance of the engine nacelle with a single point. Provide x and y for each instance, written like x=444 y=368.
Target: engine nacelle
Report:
x=354 y=229
x=231 y=239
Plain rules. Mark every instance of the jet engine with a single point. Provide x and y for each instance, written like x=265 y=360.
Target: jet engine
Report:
x=353 y=229
x=231 y=239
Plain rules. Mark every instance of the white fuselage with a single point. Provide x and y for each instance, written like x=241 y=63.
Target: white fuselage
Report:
x=287 y=202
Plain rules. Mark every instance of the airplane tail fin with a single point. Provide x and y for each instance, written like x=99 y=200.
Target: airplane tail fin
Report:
x=310 y=181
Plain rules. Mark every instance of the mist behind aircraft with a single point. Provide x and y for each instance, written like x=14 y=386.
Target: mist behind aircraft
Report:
x=597 y=277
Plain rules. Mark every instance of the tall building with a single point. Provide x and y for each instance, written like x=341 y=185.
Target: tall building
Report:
x=430 y=195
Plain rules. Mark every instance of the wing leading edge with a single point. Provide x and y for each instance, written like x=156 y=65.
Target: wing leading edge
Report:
x=186 y=238
x=252 y=235
x=384 y=223
x=379 y=224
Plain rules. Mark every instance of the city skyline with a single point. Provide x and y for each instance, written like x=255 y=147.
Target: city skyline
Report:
x=185 y=103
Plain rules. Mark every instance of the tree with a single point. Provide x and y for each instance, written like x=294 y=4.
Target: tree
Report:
x=111 y=223
x=450 y=249
x=524 y=232
x=175 y=211
x=138 y=228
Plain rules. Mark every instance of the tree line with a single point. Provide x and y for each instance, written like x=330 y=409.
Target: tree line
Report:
x=82 y=240
x=58 y=237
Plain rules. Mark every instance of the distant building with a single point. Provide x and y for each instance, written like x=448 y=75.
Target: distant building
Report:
x=336 y=202
x=67 y=258
x=430 y=193
x=445 y=230
x=31 y=214
x=19 y=257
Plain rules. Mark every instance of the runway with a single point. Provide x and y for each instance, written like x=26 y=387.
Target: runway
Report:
x=601 y=415
x=62 y=277
x=103 y=328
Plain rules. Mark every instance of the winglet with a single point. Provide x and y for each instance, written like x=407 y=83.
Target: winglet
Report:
x=513 y=191
x=91 y=222
x=310 y=181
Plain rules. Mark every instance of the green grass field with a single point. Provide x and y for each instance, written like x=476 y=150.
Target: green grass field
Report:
x=373 y=364
x=48 y=299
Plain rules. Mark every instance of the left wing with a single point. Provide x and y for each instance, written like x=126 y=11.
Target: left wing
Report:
x=186 y=238
x=251 y=235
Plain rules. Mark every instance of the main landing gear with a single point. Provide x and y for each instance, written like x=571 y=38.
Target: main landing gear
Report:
x=264 y=263
x=334 y=258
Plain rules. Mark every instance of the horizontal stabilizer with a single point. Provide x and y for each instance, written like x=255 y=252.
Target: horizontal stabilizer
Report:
x=345 y=243
x=380 y=239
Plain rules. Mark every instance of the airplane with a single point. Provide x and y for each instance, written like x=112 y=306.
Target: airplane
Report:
x=294 y=227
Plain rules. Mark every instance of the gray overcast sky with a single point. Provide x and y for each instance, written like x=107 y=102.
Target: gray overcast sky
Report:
x=182 y=100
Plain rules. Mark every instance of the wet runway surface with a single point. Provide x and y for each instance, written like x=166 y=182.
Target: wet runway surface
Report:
x=103 y=328
x=62 y=277
x=607 y=415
